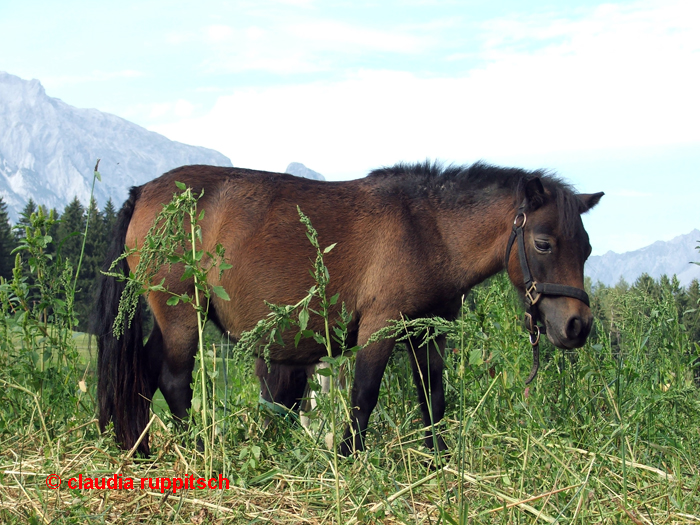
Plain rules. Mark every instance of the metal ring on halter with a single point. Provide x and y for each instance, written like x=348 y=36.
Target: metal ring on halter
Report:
x=515 y=222
x=537 y=337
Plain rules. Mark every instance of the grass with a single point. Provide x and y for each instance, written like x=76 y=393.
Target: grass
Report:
x=606 y=434
x=584 y=444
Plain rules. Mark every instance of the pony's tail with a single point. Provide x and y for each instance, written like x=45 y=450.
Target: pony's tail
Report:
x=123 y=390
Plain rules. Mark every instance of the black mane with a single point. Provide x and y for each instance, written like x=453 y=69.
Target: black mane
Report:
x=478 y=183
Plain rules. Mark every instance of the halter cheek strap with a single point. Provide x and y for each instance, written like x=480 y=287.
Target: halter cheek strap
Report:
x=534 y=291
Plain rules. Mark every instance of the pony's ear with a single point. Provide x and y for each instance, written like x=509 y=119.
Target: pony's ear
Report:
x=534 y=193
x=588 y=200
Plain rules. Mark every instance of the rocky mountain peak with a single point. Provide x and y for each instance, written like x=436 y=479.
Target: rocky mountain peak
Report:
x=298 y=169
x=672 y=257
x=48 y=150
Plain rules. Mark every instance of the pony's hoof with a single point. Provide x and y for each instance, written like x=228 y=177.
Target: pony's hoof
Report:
x=349 y=446
x=436 y=442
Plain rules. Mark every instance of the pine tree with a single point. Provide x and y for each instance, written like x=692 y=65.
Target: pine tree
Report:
x=53 y=232
x=691 y=317
x=95 y=249
x=109 y=219
x=70 y=231
x=7 y=243
x=70 y=241
x=23 y=221
x=96 y=238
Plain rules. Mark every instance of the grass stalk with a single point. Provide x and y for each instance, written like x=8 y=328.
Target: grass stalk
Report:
x=96 y=176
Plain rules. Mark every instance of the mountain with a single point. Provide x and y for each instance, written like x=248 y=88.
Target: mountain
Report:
x=662 y=257
x=298 y=169
x=48 y=150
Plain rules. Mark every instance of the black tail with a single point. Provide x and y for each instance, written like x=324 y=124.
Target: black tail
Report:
x=123 y=391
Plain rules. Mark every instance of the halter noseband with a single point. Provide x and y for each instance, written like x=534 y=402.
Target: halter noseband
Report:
x=535 y=290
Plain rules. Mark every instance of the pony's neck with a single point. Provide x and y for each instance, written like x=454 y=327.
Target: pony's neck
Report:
x=476 y=240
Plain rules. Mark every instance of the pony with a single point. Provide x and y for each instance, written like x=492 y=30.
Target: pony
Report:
x=411 y=240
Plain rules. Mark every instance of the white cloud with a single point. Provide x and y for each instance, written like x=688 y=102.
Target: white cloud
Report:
x=183 y=108
x=162 y=111
x=296 y=3
x=621 y=77
x=331 y=34
x=256 y=33
x=302 y=45
x=95 y=76
x=219 y=33
x=159 y=110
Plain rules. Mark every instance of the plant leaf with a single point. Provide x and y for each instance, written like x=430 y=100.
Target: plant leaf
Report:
x=303 y=319
x=220 y=292
x=327 y=372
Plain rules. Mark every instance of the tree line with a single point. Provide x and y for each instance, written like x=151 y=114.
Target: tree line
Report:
x=66 y=242
x=69 y=230
x=644 y=300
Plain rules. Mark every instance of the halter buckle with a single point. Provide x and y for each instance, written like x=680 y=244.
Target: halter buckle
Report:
x=531 y=294
x=517 y=217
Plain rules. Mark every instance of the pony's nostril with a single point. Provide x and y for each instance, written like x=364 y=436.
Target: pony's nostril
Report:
x=574 y=327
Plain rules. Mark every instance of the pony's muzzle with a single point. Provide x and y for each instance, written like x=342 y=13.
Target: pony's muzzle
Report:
x=572 y=331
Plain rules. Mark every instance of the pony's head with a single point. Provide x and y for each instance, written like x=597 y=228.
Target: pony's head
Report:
x=545 y=257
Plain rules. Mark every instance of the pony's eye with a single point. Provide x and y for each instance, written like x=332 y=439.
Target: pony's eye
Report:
x=543 y=246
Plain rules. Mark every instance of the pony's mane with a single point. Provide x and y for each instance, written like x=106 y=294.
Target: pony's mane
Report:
x=455 y=185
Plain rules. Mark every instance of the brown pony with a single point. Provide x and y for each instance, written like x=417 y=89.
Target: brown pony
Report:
x=411 y=240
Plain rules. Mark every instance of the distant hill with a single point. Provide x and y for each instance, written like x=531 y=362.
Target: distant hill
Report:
x=298 y=169
x=662 y=257
x=48 y=150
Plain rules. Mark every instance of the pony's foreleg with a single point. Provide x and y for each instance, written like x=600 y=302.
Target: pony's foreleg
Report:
x=177 y=328
x=154 y=354
x=427 y=365
x=370 y=364
x=175 y=384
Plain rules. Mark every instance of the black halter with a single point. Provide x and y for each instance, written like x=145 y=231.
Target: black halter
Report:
x=535 y=290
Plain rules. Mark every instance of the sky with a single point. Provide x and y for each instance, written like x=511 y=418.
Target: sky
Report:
x=607 y=95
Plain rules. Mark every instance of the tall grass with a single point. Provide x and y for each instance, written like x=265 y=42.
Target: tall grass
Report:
x=609 y=433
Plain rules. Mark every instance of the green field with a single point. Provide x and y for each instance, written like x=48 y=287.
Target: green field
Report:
x=609 y=433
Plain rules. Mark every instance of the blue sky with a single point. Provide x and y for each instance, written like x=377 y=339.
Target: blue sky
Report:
x=607 y=95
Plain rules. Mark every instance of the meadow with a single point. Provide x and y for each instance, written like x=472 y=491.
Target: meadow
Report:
x=609 y=433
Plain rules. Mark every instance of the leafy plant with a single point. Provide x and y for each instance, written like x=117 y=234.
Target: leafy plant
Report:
x=175 y=238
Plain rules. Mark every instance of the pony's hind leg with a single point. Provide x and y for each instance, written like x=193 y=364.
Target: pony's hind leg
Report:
x=427 y=365
x=282 y=384
x=370 y=364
